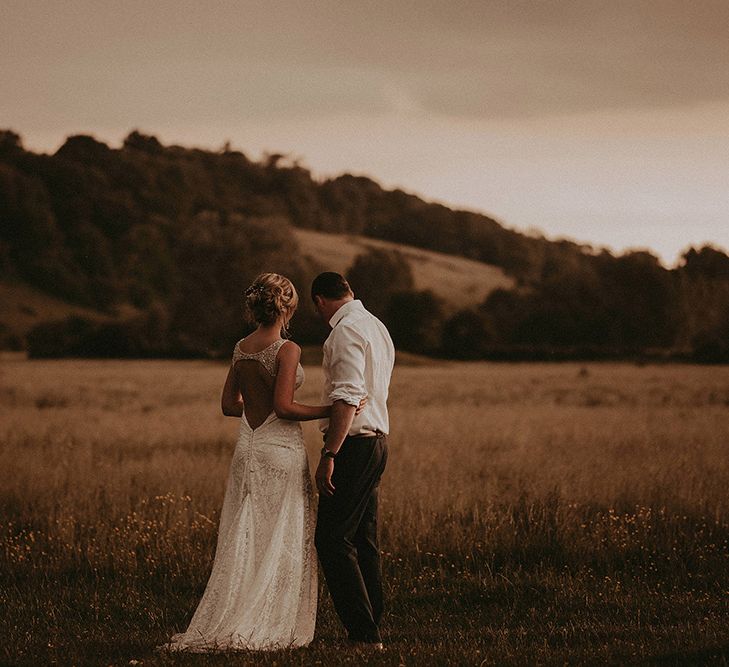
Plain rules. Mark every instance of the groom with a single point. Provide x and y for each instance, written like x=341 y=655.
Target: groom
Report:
x=358 y=360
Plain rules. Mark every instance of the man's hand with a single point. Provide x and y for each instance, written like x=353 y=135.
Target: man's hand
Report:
x=361 y=406
x=323 y=476
x=339 y=423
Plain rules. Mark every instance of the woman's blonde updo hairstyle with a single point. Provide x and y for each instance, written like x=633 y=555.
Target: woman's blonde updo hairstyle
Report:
x=270 y=296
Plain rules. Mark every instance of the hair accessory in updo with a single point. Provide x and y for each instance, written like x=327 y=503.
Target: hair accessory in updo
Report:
x=270 y=296
x=255 y=288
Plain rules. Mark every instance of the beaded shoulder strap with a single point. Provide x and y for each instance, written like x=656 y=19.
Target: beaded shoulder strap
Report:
x=266 y=357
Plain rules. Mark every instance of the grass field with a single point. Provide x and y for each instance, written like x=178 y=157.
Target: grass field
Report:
x=531 y=513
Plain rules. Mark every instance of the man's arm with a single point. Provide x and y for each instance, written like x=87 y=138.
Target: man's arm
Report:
x=347 y=372
x=347 y=366
x=339 y=423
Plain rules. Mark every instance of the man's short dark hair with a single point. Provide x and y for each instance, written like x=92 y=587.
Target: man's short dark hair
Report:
x=330 y=285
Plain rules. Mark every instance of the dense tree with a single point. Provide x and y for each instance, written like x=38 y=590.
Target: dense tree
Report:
x=10 y=143
x=624 y=303
x=175 y=232
x=221 y=256
x=136 y=140
x=465 y=335
x=702 y=286
x=707 y=262
x=711 y=343
x=415 y=320
x=378 y=274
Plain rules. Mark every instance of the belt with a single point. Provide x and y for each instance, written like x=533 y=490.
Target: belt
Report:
x=362 y=434
x=367 y=434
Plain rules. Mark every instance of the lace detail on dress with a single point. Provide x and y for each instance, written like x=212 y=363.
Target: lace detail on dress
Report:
x=262 y=590
x=267 y=356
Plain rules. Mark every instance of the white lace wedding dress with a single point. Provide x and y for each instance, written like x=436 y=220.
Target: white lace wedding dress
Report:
x=262 y=591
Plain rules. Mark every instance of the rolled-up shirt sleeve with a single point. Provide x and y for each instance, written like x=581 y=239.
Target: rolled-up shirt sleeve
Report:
x=347 y=366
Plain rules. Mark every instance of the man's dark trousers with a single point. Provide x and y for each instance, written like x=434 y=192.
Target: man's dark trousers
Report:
x=346 y=536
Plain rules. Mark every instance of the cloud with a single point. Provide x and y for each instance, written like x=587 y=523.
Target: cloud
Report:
x=515 y=59
x=472 y=59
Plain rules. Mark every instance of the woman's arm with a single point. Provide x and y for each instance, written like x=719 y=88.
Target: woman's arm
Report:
x=231 y=400
x=283 y=391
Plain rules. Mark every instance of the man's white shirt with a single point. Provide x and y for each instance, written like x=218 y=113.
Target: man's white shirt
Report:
x=358 y=361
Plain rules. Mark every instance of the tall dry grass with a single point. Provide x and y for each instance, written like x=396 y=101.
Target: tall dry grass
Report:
x=529 y=513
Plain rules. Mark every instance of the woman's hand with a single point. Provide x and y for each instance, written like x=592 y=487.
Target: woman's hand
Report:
x=361 y=406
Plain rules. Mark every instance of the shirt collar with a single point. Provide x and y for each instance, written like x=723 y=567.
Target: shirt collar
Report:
x=348 y=307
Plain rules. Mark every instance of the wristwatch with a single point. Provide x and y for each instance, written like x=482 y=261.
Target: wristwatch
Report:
x=327 y=453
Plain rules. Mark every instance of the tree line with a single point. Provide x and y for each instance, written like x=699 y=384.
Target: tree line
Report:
x=178 y=232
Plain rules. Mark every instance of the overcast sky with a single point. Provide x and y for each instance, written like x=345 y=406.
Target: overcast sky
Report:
x=606 y=122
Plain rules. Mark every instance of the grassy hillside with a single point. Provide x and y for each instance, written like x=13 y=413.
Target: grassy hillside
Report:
x=23 y=307
x=460 y=282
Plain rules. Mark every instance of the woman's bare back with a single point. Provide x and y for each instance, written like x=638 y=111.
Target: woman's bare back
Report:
x=256 y=386
x=255 y=373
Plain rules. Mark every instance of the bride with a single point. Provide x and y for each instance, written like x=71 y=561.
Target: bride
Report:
x=262 y=591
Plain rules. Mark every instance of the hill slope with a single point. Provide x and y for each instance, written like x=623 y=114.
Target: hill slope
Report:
x=460 y=282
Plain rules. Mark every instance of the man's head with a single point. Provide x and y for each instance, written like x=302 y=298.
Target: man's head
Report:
x=329 y=292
